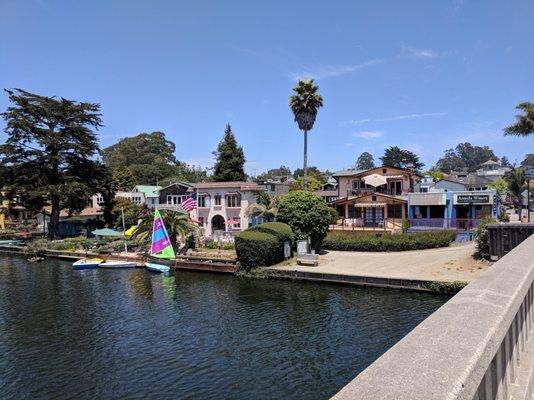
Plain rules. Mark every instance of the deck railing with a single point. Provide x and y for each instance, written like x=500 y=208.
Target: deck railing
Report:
x=359 y=224
x=479 y=345
x=444 y=223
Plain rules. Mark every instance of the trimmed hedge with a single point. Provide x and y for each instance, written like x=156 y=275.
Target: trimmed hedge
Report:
x=262 y=245
x=282 y=231
x=415 y=241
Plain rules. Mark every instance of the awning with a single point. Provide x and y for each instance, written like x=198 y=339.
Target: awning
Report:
x=106 y=232
x=375 y=180
x=369 y=205
x=394 y=176
x=427 y=199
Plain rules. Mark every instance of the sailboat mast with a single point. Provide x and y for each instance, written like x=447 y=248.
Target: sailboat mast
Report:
x=124 y=231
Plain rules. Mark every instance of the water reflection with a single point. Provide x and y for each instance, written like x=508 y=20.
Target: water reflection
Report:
x=100 y=334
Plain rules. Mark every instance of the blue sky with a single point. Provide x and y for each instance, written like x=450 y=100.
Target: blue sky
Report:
x=423 y=75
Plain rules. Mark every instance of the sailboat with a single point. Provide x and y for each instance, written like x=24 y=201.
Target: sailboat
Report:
x=161 y=245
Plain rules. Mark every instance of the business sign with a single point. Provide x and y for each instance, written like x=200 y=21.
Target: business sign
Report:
x=473 y=198
x=287 y=249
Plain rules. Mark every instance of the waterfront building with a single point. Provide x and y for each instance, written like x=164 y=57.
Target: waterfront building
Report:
x=277 y=187
x=373 y=198
x=424 y=184
x=172 y=196
x=492 y=170
x=150 y=193
x=329 y=190
x=221 y=206
x=459 y=210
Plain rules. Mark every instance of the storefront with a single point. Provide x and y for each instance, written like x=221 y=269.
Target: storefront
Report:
x=372 y=210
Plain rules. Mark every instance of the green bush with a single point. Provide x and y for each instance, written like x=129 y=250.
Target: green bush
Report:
x=307 y=214
x=416 y=241
x=446 y=287
x=482 y=239
x=255 y=249
x=282 y=231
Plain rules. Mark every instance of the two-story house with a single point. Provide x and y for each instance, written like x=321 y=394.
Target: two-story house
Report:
x=369 y=198
x=222 y=205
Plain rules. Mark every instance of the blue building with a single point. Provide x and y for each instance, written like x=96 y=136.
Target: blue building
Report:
x=457 y=210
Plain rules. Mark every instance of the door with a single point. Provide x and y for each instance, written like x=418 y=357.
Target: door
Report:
x=217 y=223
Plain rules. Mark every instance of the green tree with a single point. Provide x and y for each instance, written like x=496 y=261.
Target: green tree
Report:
x=516 y=183
x=396 y=157
x=107 y=187
x=313 y=183
x=499 y=185
x=307 y=214
x=132 y=213
x=436 y=175
x=465 y=156
x=148 y=156
x=365 y=161
x=178 y=226
x=524 y=125
x=304 y=104
x=319 y=175
x=274 y=173
x=50 y=152
x=529 y=160
x=505 y=162
x=229 y=159
x=124 y=178
x=266 y=207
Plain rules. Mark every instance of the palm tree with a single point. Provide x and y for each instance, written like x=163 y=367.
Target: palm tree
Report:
x=265 y=207
x=516 y=181
x=178 y=226
x=304 y=104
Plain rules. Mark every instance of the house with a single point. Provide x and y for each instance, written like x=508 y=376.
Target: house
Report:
x=473 y=182
x=492 y=170
x=222 y=205
x=529 y=170
x=328 y=191
x=150 y=193
x=424 y=184
x=447 y=185
x=81 y=223
x=368 y=198
x=171 y=196
x=277 y=187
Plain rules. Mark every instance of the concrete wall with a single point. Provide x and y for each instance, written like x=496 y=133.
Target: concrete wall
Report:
x=479 y=345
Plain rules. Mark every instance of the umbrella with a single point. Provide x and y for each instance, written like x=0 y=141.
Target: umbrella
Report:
x=375 y=180
x=231 y=222
x=106 y=232
x=131 y=230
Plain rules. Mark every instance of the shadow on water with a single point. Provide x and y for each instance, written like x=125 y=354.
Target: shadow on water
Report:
x=98 y=334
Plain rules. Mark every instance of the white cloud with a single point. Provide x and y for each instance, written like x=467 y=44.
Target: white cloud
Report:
x=368 y=134
x=332 y=71
x=421 y=53
x=394 y=118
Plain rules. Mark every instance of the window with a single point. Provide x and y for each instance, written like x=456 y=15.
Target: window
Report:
x=233 y=200
x=395 y=188
x=424 y=190
x=175 y=199
x=204 y=200
x=237 y=225
x=355 y=185
x=217 y=199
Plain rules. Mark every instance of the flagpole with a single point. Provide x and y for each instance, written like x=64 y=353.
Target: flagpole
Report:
x=124 y=231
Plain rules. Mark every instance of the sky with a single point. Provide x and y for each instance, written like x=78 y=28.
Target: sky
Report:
x=422 y=75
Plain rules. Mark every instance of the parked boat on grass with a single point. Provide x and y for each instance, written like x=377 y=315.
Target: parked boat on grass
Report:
x=161 y=245
x=86 y=263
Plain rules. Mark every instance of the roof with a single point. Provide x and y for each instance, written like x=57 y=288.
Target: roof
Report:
x=223 y=185
x=190 y=185
x=326 y=192
x=354 y=172
x=86 y=212
x=472 y=180
x=490 y=162
x=149 y=191
x=354 y=198
x=348 y=172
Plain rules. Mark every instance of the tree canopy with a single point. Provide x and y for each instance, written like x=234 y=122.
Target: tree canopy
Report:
x=274 y=173
x=365 y=161
x=148 y=156
x=465 y=156
x=50 y=152
x=229 y=159
x=397 y=157
x=524 y=125
x=319 y=175
x=529 y=160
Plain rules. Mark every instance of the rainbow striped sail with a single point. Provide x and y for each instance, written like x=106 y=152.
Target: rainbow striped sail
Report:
x=161 y=245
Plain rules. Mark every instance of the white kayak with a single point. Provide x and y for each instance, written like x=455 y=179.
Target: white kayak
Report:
x=118 y=264
x=86 y=263
x=157 y=267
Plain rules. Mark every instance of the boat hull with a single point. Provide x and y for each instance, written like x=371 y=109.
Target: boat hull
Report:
x=87 y=263
x=117 y=264
x=157 y=267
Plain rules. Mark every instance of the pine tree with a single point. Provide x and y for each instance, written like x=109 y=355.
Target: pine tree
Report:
x=365 y=161
x=230 y=159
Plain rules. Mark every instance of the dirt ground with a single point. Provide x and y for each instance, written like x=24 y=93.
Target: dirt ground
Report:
x=454 y=263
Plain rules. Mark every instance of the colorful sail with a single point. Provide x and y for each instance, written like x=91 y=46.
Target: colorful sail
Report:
x=161 y=245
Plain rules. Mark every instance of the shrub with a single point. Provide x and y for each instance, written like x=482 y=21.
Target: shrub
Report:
x=255 y=249
x=307 y=214
x=446 y=287
x=282 y=231
x=482 y=239
x=416 y=241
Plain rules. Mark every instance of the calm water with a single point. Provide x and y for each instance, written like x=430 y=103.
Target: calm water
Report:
x=129 y=334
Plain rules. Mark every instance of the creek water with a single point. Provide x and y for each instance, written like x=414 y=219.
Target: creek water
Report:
x=130 y=334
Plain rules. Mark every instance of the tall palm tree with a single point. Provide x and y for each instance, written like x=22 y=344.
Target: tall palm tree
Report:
x=304 y=104
x=516 y=181
x=178 y=226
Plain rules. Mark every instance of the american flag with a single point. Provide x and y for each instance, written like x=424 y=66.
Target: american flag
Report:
x=189 y=204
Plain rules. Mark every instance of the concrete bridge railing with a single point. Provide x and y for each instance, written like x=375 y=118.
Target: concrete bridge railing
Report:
x=479 y=345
